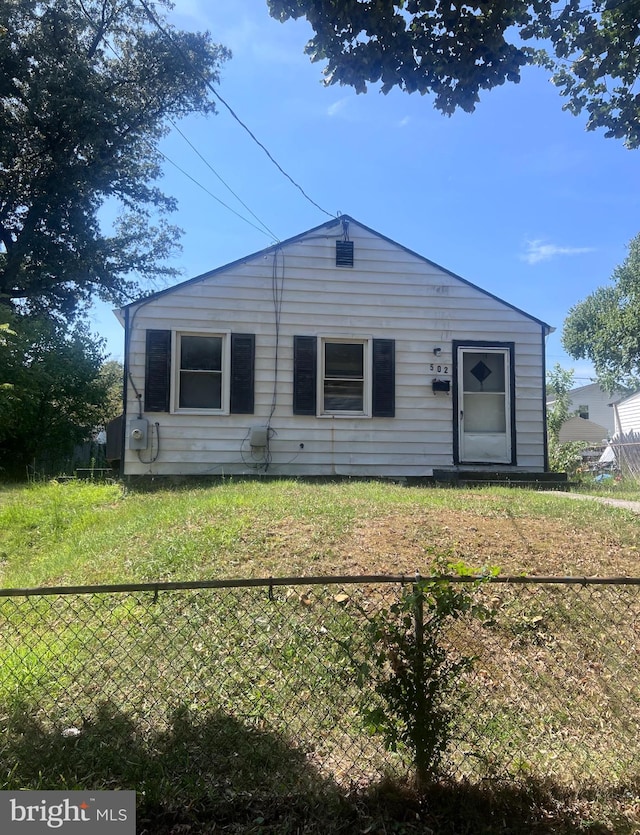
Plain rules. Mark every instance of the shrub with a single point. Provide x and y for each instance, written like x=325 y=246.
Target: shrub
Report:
x=414 y=672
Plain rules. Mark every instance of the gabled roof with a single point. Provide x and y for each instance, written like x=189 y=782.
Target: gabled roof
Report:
x=340 y=220
x=627 y=398
x=592 y=388
x=586 y=391
x=581 y=429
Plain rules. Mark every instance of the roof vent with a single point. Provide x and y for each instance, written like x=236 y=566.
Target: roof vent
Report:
x=344 y=253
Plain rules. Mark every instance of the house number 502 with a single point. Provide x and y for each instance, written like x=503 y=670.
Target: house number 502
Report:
x=439 y=369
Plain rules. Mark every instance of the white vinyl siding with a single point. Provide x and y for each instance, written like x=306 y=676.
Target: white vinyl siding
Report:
x=389 y=294
x=592 y=403
x=628 y=415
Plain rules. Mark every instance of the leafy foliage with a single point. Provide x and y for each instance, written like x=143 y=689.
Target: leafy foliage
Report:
x=414 y=673
x=559 y=384
x=604 y=328
x=595 y=62
x=455 y=50
x=566 y=457
x=87 y=90
x=563 y=457
x=111 y=375
x=54 y=395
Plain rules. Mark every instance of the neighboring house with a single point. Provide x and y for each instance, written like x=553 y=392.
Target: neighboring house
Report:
x=581 y=429
x=626 y=413
x=624 y=448
x=336 y=352
x=592 y=415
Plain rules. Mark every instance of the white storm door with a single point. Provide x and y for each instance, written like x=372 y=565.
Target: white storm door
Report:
x=484 y=405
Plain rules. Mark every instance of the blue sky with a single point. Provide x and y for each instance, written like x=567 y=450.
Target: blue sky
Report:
x=517 y=197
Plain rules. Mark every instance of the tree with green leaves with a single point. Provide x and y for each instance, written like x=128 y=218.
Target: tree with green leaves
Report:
x=559 y=385
x=605 y=327
x=87 y=88
x=55 y=395
x=5 y=388
x=455 y=50
x=111 y=375
x=563 y=457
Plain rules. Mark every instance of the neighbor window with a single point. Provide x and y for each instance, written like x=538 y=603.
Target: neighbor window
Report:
x=200 y=361
x=344 y=377
x=583 y=412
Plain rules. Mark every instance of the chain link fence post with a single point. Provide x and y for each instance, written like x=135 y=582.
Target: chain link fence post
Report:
x=423 y=755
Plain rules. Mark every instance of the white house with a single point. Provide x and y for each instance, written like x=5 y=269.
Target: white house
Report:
x=336 y=352
x=582 y=429
x=624 y=448
x=626 y=413
x=593 y=417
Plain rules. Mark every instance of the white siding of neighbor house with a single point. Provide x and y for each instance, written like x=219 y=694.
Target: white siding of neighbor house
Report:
x=627 y=415
x=598 y=401
x=388 y=294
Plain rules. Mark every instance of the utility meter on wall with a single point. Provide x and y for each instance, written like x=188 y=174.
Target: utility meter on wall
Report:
x=138 y=433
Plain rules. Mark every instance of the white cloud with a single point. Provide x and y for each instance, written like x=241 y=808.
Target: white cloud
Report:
x=337 y=106
x=404 y=122
x=538 y=251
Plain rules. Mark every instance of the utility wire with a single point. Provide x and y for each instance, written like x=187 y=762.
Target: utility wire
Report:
x=222 y=203
x=264 y=226
x=257 y=141
x=226 y=185
x=210 y=86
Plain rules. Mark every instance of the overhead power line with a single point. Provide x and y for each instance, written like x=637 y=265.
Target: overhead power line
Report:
x=167 y=34
x=257 y=141
x=222 y=203
x=225 y=184
x=264 y=226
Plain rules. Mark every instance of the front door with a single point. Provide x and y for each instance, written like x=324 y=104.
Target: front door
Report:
x=484 y=404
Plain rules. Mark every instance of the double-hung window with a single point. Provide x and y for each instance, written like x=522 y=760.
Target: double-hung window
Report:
x=345 y=377
x=336 y=377
x=199 y=372
x=200 y=383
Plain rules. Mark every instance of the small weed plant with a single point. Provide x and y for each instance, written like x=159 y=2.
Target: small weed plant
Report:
x=416 y=675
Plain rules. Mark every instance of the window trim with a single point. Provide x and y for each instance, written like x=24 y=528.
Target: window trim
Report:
x=224 y=409
x=367 y=343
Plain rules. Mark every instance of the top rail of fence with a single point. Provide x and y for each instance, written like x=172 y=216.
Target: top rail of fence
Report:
x=326 y=580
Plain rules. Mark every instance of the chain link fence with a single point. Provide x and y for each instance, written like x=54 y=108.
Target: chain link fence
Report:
x=552 y=692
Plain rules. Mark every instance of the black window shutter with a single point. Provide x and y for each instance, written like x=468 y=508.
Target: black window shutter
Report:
x=157 y=378
x=243 y=349
x=305 y=361
x=384 y=378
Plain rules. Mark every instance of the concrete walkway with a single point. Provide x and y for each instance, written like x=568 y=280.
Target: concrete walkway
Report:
x=634 y=507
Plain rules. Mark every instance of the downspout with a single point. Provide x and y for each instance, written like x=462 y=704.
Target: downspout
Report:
x=125 y=387
x=544 y=402
x=128 y=325
x=617 y=427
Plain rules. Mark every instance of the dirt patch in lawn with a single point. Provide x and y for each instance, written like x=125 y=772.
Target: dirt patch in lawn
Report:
x=409 y=542
x=516 y=545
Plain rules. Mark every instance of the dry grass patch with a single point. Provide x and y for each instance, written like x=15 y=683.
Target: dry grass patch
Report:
x=406 y=542
x=70 y=535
